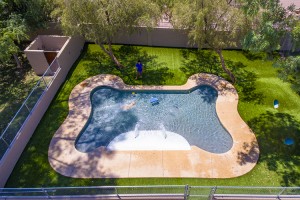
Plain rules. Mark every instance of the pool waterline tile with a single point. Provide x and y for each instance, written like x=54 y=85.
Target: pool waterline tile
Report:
x=240 y=159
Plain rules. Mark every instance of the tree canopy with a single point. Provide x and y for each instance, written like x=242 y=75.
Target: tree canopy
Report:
x=210 y=24
x=17 y=17
x=269 y=24
x=289 y=70
x=12 y=30
x=166 y=7
x=258 y=25
x=101 y=20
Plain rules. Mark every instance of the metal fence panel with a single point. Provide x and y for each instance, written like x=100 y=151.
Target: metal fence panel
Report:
x=3 y=147
x=16 y=123
x=80 y=191
x=151 y=190
x=200 y=192
x=35 y=95
x=291 y=191
x=249 y=190
x=18 y=192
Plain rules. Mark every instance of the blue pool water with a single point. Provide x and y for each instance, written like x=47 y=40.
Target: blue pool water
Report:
x=191 y=114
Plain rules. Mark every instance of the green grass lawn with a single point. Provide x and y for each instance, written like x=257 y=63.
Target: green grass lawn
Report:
x=257 y=85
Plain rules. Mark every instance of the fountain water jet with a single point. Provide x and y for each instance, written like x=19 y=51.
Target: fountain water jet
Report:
x=136 y=130
x=162 y=127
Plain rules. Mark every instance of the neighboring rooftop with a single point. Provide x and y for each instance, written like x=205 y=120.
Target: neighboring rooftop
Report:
x=286 y=3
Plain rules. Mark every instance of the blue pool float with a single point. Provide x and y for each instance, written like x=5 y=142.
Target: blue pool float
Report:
x=288 y=141
x=154 y=100
x=276 y=103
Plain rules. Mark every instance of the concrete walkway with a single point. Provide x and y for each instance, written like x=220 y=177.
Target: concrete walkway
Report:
x=195 y=162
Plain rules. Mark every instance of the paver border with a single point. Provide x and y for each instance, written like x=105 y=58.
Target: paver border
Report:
x=196 y=163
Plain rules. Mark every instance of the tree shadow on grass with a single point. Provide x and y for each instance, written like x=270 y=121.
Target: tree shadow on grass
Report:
x=254 y=56
x=96 y=62
x=204 y=61
x=245 y=83
x=271 y=130
x=249 y=153
x=154 y=72
x=200 y=61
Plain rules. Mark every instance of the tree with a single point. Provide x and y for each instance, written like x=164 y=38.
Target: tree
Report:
x=165 y=7
x=269 y=24
x=289 y=70
x=296 y=36
x=12 y=31
x=17 y=17
x=214 y=24
x=101 y=20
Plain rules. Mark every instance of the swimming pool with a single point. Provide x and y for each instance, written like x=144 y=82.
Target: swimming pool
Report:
x=103 y=162
x=192 y=114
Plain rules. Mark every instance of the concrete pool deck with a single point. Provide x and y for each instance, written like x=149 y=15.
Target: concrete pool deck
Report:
x=194 y=163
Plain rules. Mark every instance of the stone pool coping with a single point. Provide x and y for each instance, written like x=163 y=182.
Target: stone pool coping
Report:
x=196 y=163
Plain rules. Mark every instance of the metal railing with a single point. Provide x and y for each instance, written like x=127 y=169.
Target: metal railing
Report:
x=185 y=192
x=12 y=129
x=235 y=192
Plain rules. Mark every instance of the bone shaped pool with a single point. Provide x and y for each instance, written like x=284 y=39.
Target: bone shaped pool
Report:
x=190 y=114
